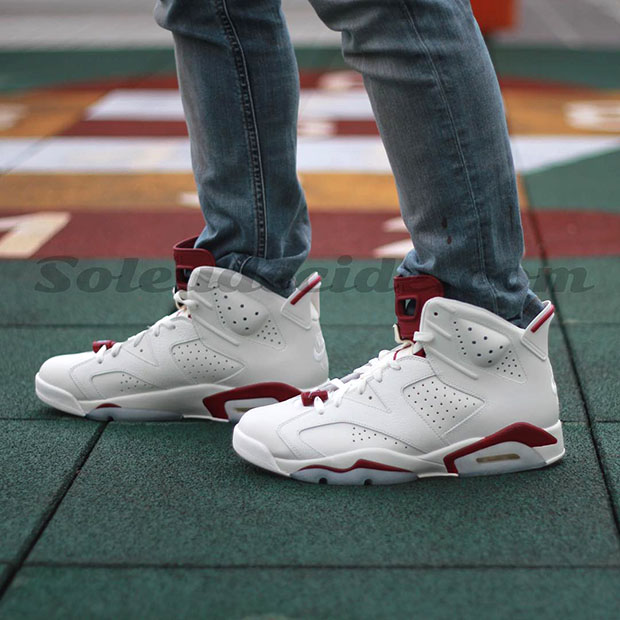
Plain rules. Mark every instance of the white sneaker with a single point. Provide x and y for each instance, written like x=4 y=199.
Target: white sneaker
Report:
x=474 y=395
x=232 y=345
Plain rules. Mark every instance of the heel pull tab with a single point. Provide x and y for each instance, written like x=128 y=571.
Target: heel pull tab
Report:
x=302 y=292
x=416 y=290
x=536 y=334
x=187 y=258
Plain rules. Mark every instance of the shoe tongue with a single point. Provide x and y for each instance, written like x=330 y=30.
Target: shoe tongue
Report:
x=187 y=258
x=411 y=293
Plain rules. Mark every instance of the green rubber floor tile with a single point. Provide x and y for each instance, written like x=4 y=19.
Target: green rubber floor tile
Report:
x=24 y=69
x=177 y=494
x=585 y=289
x=597 y=68
x=58 y=293
x=596 y=356
x=608 y=438
x=312 y=594
x=30 y=347
x=361 y=293
x=325 y=57
x=571 y=403
x=138 y=291
x=589 y=184
x=37 y=460
x=356 y=293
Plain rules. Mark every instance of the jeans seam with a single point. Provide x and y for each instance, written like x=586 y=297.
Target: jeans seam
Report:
x=459 y=149
x=242 y=261
x=251 y=129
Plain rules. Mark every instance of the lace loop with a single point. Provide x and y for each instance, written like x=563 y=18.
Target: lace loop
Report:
x=371 y=371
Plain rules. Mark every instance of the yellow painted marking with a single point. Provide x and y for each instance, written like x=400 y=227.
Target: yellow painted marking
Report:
x=90 y=192
x=594 y=115
x=25 y=234
x=137 y=192
x=45 y=113
x=561 y=113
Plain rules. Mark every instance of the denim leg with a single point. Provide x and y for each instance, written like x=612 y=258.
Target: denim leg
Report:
x=240 y=89
x=440 y=114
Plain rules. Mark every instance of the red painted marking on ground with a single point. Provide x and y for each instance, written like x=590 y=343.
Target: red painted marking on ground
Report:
x=114 y=234
x=132 y=128
x=546 y=86
x=579 y=233
x=122 y=129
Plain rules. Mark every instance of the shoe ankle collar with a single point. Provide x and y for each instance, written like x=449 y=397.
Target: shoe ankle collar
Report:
x=187 y=258
x=413 y=290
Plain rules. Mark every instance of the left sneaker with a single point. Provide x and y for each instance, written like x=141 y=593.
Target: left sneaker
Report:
x=473 y=395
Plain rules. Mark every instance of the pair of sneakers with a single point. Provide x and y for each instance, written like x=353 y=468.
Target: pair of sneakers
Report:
x=463 y=393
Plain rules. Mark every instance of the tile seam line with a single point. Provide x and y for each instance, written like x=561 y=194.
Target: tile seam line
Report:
x=589 y=421
x=44 y=521
x=348 y=326
x=68 y=417
x=215 y=566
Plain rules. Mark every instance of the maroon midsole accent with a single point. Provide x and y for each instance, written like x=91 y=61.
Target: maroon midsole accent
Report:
x=307 y=398
x=108 y=406
x=97 y=344
x=215 y=404
x=360 y=464
x=520 y=432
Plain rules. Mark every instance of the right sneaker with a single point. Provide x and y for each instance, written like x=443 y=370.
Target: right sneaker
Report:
x=465 y=394
x=232 y=345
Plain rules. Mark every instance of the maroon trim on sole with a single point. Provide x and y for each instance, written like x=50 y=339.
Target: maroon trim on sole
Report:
x=360 y=464
x=520 y=432
x=108 y=406
x=215 y=404
x=307 y=398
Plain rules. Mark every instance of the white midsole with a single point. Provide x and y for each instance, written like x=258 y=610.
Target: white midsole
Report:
x=187 y=400
x=426 y=465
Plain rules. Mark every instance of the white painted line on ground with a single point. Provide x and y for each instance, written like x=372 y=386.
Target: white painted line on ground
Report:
x=26 y=234
x=165 y=105
x=361 y=154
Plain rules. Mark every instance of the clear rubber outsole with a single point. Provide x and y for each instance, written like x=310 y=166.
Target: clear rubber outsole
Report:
x=508 y=457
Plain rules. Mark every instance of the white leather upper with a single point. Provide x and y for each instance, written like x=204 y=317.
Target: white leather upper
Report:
x=237 y=333
x=479 y=374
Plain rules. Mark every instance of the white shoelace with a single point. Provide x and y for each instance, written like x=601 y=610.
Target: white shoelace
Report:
x=375 y=368
x=184 y=306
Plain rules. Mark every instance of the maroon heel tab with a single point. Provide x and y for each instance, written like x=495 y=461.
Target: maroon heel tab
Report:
x=418 y=289
x=187 y=258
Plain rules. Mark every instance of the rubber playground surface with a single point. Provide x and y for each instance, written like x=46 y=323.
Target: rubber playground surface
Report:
x=163 y=520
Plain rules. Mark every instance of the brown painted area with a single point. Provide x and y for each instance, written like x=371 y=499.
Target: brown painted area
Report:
x=524 y=202
x=44 y=113
x=53 y=192
x=547 y=112
x=136 y=192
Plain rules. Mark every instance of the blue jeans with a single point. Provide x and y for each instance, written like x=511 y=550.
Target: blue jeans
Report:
x=439 y=111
